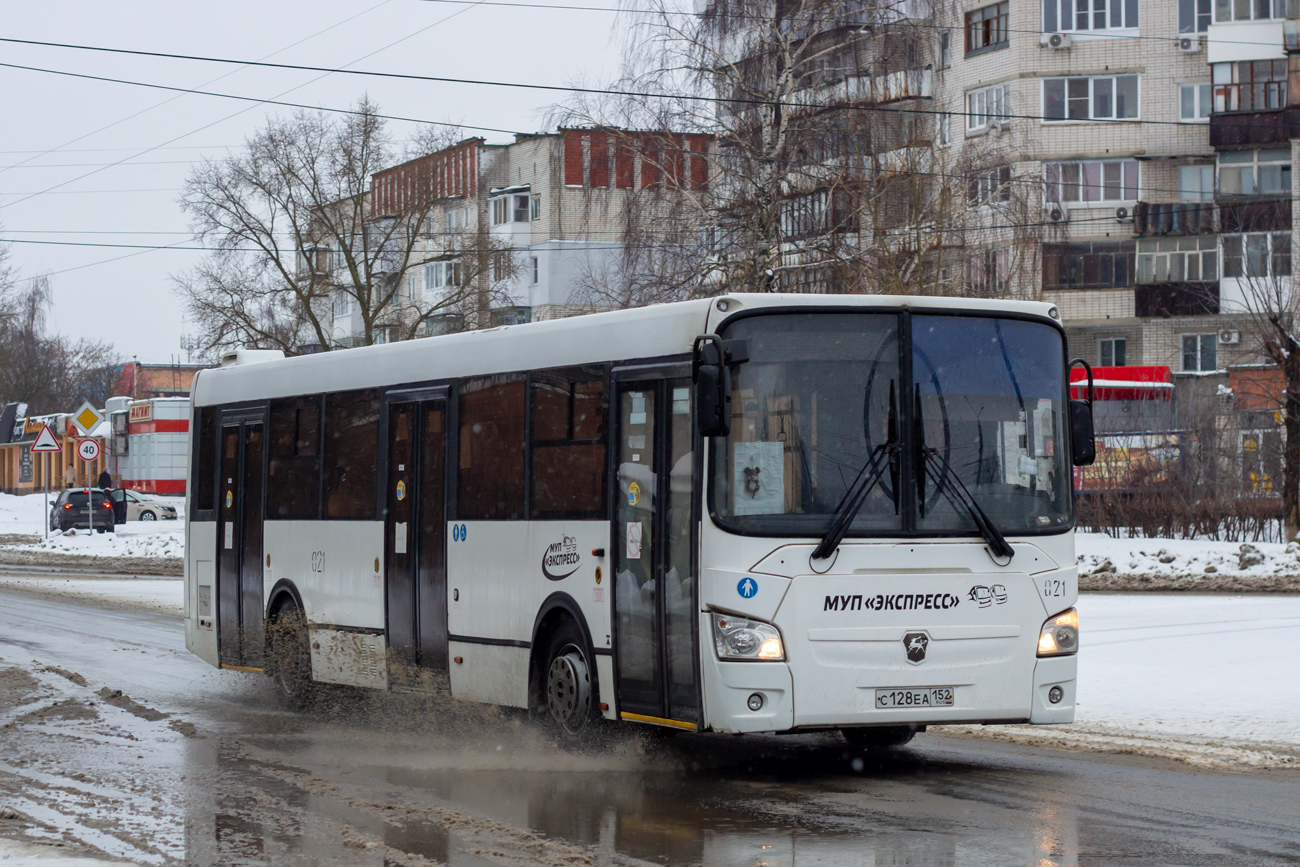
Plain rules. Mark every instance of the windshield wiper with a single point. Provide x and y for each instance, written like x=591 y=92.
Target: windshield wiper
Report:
x=873 y=470
x=962 y=496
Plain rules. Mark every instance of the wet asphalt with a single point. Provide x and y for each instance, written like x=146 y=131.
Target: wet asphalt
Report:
x=207 y=768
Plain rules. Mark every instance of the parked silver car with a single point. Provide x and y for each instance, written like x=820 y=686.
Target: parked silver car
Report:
x=140 y=507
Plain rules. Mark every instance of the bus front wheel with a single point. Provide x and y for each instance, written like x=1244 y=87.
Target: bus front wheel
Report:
x=568 y=686
x=291 y=656
x=880 y=737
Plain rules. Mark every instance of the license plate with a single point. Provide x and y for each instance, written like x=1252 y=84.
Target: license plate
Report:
x=939 y=696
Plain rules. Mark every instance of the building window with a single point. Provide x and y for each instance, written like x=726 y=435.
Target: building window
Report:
x=1193 y=16
x=457 y=220
x=1063 y=15
x=986 y=106
x=988 y=187
x=1196 y=183
x=1188 y=259
x=987 y=28
x=1200 y=352
x=1249 y=85
x=537 y=207
x=1194 y=103
x=816 y=214
x=1092 y=181
x=519 y=209
x=1088 y=265
x=535 y=269
x=1247 y=10
x=945 y=129
x=1102 y=97
x=1257 y=255
x=945 y=49
x=342 y=304
x=500 y=211
x=1110 y=352
x=440 y=275
x=1255 y=173
x=988 y=272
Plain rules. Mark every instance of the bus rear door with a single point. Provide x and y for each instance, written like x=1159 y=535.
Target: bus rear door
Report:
x=240 y=626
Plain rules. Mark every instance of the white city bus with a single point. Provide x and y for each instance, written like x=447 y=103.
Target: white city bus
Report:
x=751 y=513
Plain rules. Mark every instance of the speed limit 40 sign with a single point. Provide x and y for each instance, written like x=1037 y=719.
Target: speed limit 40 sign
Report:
x=88 y=449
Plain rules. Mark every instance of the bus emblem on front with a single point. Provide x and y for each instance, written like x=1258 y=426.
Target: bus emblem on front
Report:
x=916 y=643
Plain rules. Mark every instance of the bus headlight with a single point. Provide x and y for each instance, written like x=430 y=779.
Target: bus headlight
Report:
x=1060 y=635
x=740 y=638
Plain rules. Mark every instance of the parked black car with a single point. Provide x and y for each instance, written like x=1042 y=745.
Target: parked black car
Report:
x=71 y=510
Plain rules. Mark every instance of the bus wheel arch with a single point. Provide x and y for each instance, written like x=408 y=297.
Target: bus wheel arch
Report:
x=288 y=652
x=562 y=666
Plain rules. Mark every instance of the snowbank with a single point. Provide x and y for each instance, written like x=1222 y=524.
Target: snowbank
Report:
x=1186 y=564
x=24 y=519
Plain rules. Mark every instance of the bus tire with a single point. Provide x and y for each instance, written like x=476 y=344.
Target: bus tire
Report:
x=569 y=684
x=880 y=737
x=290 y=656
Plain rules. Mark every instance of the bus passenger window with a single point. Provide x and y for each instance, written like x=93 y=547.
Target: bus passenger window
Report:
x=351 y=459
x=205 y=468
x=490 y=483
x=293 y=484
x=569 y=411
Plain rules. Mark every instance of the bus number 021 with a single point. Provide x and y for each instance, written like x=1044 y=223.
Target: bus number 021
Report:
x=1053 y=587
x=458 y=532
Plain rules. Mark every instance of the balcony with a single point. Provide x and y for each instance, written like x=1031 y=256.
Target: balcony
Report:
x=1165 y=300
x=1175 y=218
x=874 y=89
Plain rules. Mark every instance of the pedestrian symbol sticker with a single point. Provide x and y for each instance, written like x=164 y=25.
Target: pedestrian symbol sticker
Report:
x=401 y=490
x=747 y=588
x=633 y=494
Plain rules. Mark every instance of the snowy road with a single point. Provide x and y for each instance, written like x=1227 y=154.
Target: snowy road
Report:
x=194 y=765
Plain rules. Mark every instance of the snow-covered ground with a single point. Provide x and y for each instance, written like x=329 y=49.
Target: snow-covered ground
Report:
x=27 y=515
x=1184 y=556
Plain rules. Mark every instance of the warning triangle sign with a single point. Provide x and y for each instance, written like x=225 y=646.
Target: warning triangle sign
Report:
x=46 y=441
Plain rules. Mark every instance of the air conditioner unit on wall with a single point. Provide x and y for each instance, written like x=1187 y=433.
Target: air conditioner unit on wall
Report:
x=1055 y=40
x=1229 y=338
x=1190 y=44
x=1058 y=214
x=1124 y=215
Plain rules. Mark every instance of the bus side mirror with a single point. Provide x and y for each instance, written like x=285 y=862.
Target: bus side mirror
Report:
x=1083 y=446
x=711 y=359
x=712 y=387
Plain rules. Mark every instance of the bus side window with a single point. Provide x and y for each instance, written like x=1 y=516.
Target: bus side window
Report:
x=490 y=482
x=351 y=461
x=569 y=412
x=203 y=485
x=293 y=484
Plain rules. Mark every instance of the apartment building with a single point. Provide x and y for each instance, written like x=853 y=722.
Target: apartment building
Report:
x=529 y=230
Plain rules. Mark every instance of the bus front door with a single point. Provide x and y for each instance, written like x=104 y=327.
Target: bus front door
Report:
x=655 y=595
x=415 y=538
x=239 y=580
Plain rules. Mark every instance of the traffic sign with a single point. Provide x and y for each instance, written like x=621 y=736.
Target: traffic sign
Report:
x=87 y=417
x=88 y=449
x=46 y=441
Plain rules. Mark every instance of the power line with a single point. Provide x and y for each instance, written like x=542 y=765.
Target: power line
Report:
x=405 y=76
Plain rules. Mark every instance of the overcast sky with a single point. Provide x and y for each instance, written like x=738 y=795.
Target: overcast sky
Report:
x=63 y=128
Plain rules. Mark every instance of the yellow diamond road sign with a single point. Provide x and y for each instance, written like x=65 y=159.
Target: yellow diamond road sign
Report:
x=87 y=417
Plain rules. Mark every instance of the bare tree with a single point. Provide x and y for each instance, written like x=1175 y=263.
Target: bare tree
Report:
x=49 y=372
x=299 y=237
x=1259 y=265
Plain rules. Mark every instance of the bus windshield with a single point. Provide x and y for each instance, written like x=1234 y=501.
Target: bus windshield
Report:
x=822 y=399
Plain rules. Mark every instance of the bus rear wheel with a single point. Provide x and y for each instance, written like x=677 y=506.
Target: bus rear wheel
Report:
x=291 y=656
x=568 y=688
x=880 y=737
